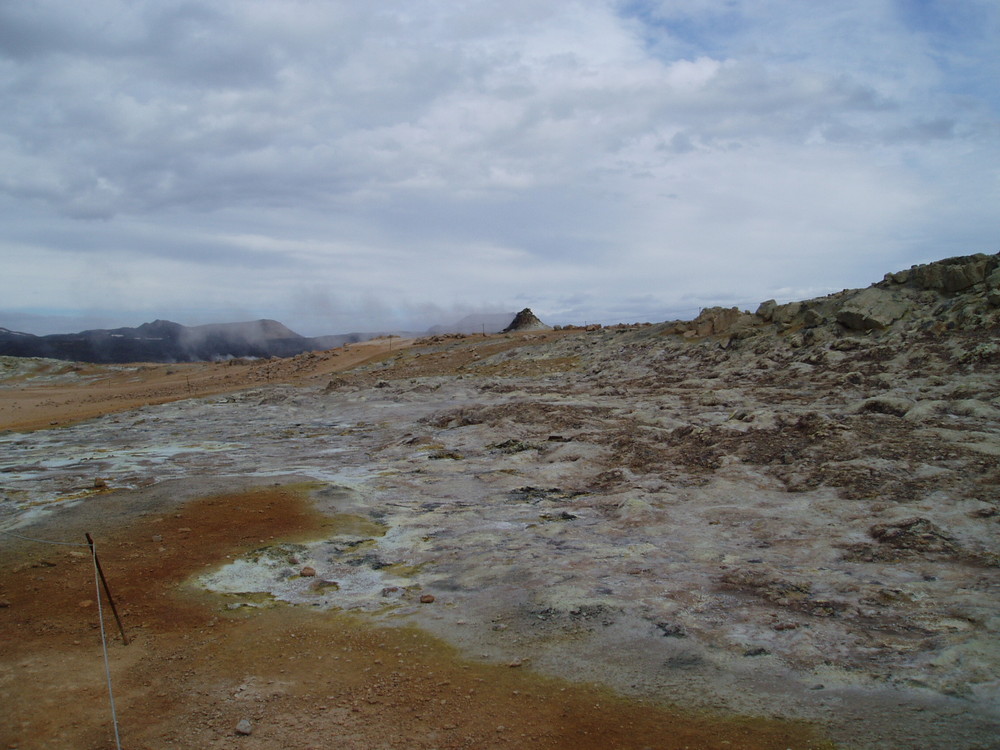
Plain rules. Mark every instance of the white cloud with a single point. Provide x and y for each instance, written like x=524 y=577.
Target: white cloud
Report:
x=598 y=157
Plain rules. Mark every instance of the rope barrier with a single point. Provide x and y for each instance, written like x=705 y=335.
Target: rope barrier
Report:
x=41 y=541
x=104 y=645
x=98 y=578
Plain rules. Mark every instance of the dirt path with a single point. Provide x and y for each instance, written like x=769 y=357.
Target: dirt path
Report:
x=304 y=679
x=63 y=393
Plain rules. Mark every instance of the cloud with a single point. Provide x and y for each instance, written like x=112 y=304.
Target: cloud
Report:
x=232 y=157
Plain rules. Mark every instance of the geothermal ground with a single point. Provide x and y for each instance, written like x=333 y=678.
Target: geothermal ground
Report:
x=617 y=538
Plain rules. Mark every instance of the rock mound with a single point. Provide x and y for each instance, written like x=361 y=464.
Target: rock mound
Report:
x=954 y=294
x=526 y=321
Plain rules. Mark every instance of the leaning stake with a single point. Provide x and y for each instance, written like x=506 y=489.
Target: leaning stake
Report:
x=107 y=590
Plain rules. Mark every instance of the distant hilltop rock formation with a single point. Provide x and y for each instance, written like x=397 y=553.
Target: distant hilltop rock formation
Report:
x=526 y=321
x=166 y=341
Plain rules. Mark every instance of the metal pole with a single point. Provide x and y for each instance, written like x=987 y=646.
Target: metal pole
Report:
x=107 y=590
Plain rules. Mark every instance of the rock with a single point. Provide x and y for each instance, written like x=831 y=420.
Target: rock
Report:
x=871 y=309
x=157 y=538
x=917 y=534
x=4 y=604
x=766 y=310
x=993 y=288
x=322 y=584
x=949 y=275
x=716 y=320
x=785 y=314
x=526 y=321
x=307 y=572
x=970 y=407
x=671 y=630
x=812 y=318
x=894 y=405
x=427 y=599
x=100 y=483
x=244 y=727
x=925 y=410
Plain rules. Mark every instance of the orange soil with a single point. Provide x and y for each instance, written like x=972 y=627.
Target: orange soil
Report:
x=304 y=678
x=33 y=405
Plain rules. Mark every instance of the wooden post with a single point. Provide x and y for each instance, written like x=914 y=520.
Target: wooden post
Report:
x=107 y=590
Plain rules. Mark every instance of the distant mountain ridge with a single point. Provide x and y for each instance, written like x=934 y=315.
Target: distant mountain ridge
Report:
x=166 y=341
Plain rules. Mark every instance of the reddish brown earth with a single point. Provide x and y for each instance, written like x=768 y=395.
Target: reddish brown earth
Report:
x=303 y=678
x=78 y=391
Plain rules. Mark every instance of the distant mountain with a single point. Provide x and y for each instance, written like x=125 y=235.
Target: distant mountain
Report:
x=165 y=341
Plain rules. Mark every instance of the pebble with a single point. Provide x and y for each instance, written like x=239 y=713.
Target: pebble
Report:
x=244 y=727
x=157 y=537
x=307 y=572
x=427 y=598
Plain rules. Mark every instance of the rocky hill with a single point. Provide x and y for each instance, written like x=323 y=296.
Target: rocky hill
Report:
x=526 y=320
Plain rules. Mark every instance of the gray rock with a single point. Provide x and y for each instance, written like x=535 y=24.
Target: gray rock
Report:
x=949 y=275
x=993 y=288
x=872 y=309
x=717 y=320
x=244 y=727
x=812 y=318
x=785 y=314
x=766 y=310
x=895 y=405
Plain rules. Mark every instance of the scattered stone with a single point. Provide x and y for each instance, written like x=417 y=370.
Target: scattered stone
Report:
x=427 y=599
x=671 y=630
x=100 y=483
x=307 y=572
x=321 y=584
x=917 y=534
x=157 y=538
x=244 y=727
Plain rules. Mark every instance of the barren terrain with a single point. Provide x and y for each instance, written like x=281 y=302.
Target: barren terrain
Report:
x=770 y=530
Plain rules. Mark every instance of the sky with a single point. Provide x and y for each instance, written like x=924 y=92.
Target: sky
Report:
x=348 y=166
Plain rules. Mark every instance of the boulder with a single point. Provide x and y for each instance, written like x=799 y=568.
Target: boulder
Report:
x=766 y=310
x=871 y=309
x=993 y=288
x=785 y=314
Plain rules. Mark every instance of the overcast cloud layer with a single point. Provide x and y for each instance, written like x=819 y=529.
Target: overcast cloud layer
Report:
x=360 y=166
